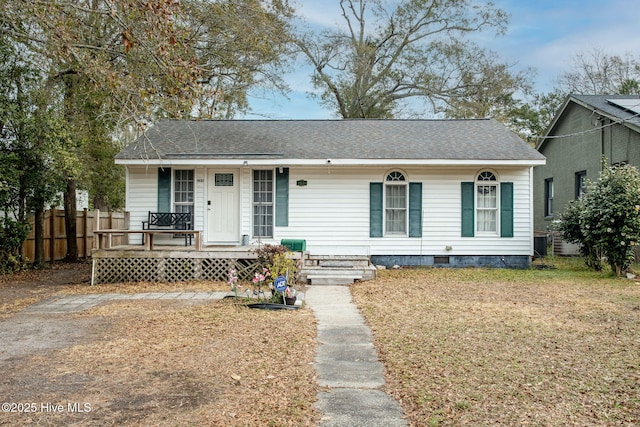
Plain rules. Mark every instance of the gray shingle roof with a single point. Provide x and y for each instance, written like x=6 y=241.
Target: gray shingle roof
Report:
x=479 y=139
x=601 y=103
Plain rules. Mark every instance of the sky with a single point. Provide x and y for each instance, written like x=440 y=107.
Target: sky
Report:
x=543 y=34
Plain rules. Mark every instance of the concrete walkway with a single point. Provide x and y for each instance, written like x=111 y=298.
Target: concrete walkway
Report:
x=73 y=303
x=347 y=364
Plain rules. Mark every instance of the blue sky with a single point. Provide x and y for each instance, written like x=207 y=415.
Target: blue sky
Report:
x=542 y=34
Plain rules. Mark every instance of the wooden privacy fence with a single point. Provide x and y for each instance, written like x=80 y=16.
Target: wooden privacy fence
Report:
x=55 y=238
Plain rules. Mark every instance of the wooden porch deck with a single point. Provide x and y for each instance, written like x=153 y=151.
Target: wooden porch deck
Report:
x=178 y=263
x=173 y=263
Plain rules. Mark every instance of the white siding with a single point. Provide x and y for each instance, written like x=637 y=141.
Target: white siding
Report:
x=246 y=196
x=142 y=197
x=332 y=213
x=199 y=198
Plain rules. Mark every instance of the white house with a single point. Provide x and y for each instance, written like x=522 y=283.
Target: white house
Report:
x=407 y=192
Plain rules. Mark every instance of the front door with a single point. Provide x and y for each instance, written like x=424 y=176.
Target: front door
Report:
x=223 y=207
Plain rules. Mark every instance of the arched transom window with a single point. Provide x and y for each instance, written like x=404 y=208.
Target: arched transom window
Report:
x=395 y=203
x=487 y=202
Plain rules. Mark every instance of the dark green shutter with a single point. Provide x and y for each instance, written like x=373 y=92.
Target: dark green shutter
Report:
x=375 y=209
x=506 y=209
x=468 y=208
x=282 y=197
x=164 y=189
x=415 y=209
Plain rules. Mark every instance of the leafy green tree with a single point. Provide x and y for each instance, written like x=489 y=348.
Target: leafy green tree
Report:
x=571 y=228
x=30 y=178
x=606 y=221
x=113 y=67
x=490 y=93
x=531 y=119
x=119 y=66
x=388 y=53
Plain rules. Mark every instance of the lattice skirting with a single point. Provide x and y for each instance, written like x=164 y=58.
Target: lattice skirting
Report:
x=145 y=269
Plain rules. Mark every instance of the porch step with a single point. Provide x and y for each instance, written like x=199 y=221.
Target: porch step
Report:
x=332 y=276
x=336 y=270
x=336 y=261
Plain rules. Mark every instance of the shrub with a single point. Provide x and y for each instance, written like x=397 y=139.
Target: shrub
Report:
x=267 y=253
x=606 y=221
x=12 y=234
x=275 y=260
x=571 y=229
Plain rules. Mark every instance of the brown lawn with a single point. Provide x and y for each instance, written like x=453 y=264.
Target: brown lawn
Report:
x=479 y=347
x=461 y=347
x=159 y=362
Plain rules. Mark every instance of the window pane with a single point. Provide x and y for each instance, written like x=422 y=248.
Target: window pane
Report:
x=224 y=180
x=395 y=176
x=487 y=205
x=396 y=209
x=183 y=191
x=396 y=222
x=263 y=221
x=487 y=196
x=262 y=203
x=487 y=220
x=548 y=192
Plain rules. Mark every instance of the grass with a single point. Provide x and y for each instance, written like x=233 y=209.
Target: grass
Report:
x=549 y=347
x=507 y=347
x=164 y=363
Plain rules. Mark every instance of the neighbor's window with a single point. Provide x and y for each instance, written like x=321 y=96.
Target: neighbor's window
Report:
x=548 y=197
x=487 y=203
x=581 y=184
x=262 y=203
x=395 y=203
x=183 y=191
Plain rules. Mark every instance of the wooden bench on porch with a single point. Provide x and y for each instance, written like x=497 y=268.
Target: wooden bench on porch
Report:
x=174 y=221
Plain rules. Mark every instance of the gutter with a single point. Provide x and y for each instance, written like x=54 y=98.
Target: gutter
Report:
x=329 y=162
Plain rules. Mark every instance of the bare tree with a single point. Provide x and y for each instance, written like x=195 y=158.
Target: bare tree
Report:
x=414 y=49
x=595 y=72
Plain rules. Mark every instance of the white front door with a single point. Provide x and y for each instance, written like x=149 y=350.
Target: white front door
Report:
x=223 y=207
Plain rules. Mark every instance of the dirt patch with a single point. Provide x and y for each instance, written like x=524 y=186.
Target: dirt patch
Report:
x=27 y=334
x=152 y=362
x=163 y=363
x=20 y=290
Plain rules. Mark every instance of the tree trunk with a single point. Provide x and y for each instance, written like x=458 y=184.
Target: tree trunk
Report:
x=100 y=204
x=38 y=229
x=70 y=221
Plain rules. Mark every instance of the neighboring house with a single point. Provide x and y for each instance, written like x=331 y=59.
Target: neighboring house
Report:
x=82 y=200
x=407 y=192
x=586 y=129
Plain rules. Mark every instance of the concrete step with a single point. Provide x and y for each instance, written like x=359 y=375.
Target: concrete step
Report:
x=336 y=269
x=333 y=279
x=336 y=275
x=336 y=261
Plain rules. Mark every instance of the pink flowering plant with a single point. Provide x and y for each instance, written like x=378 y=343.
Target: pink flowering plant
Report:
x=260 y=280
x=275 y=261
x=233 y=281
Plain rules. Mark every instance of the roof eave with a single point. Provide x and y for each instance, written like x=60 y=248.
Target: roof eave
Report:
x=330 y=162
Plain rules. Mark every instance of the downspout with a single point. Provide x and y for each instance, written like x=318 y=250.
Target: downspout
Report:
x=531 y=216
x=602 y=149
